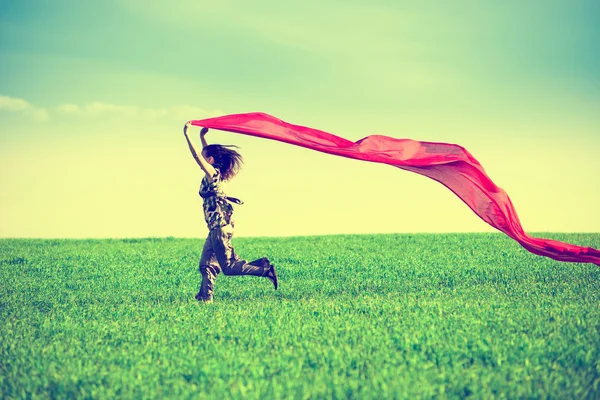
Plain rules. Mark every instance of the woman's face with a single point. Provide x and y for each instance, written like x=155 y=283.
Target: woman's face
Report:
x=210 y=159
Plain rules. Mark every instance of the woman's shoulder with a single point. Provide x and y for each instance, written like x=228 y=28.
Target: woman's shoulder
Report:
x=216 y=176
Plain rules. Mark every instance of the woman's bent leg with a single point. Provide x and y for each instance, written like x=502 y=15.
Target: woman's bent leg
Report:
x=230 y=263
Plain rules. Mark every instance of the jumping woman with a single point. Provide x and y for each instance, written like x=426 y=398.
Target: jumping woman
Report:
x=220 y=164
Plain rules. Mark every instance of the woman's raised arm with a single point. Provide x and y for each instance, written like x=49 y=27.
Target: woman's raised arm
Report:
x=205 y=165
x=203 y=133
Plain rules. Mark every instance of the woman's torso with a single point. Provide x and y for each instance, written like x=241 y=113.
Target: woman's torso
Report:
x=217 y=210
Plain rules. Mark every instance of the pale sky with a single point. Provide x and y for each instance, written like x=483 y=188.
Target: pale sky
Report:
x=94 y=95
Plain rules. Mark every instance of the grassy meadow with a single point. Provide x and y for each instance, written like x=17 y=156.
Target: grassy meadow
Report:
x=356 y=316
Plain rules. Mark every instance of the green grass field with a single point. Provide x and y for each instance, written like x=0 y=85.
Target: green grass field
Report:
x=370 y=316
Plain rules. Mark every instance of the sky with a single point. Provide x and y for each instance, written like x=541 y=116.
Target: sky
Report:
x=94 y=95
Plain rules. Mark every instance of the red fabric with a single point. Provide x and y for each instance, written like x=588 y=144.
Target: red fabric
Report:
x=451 y=165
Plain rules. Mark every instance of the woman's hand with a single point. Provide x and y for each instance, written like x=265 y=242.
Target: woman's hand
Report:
x=204 y=131
x=186 y=126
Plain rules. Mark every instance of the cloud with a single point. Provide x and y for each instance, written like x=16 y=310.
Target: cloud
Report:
x=15 y=104
x=41 y=115
x=68 y=108
x=98 y=109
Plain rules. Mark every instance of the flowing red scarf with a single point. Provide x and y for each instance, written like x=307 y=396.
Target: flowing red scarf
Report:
x=449 y=164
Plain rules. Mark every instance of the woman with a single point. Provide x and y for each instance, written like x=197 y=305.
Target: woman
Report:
x=220 y=164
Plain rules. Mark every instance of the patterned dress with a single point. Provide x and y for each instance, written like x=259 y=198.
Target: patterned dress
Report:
x=218 y=211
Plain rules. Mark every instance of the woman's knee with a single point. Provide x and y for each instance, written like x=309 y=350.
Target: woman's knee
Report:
x=208 y=270
x=227 y=270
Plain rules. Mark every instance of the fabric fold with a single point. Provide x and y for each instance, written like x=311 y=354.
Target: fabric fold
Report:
x=449 y=164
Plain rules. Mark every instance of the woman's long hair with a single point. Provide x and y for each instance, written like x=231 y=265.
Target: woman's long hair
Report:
x=227 y=160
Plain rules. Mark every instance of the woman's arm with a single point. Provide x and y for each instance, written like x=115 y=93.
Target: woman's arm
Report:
x=206 y=167
x=203 y=132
